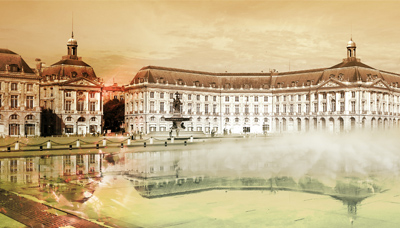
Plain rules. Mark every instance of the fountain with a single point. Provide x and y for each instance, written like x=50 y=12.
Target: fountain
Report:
x=177 y=118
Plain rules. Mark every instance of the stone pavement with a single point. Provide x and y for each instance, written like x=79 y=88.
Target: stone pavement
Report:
x=34 y=214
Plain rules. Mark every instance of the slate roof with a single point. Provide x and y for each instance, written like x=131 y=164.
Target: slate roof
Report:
x=8 y=57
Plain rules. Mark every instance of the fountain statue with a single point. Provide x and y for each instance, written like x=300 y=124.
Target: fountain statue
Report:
x=177 y=118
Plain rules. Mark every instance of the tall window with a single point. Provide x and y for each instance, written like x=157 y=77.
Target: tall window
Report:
x=198 y=108
x=324 y=107
x=291 y=108
x=266 y=99
x=206 y=108
x=189 y=97
x=214 y=108
x=92 y=95
x=299 y=108
x=151 y=106
x=161 y=95
x=29 y=88
x=256 y=99
x=333 y=105
x=353 y=94
x=284 y=108
x=236 y=98
x=14 y=101
x=92 y=106
x=299 y=97
x=226 y=98
x=0 y=100
x=277 y=108
x=315 y=107
x=265 y=108
x=214 y=98
x=29 y=102
x=227 y=109
x=236 y=109
x=92 y=158
x=151 y=94
x=29 y=164
x=14 y=86
x=80 y=106
x=206 y=98
x=198 y=97
x=67 y=105
x=68 y=94
x=353 y=106
x=246 y=109
x=307 y=108
x=190 y=108
x=161 y=107
x=13 y=166
x=342 y=106
x=171 y=96
x=51 y=92
x=256 y=109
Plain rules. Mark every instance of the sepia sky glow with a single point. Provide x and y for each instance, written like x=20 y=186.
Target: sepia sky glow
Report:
x=117 y=38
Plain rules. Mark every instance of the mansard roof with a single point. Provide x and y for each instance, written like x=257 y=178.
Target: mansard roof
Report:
x=11 y=58
x=350 y=70
x=69 y=69
x=71 y=62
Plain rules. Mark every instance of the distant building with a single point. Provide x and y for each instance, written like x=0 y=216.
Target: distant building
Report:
x=113 y=92
x=70 y=96
x=19 y=96
x=347 y=96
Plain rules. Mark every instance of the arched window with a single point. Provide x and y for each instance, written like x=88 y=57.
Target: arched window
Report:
x=256 y=120
x=14 y=117
x=93 y=119
x=69 y=118
x=81 y=119
x=29 y=117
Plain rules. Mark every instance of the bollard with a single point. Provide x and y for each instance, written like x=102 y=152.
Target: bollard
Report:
x=41 y=148
x=165 y=144
x=70 y=147
x=191 y=138
x=17 y=145
x=104 y=142
x=48 y=144
x=8 y=149
x=151 y=140
x=129 y=142
x=185 y=143
x=144 y=144
x=172 y=139
x=78 y=143
x=122 y=145
x=97 y=146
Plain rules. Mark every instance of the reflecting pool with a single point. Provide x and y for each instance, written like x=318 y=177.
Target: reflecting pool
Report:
x=291 y=181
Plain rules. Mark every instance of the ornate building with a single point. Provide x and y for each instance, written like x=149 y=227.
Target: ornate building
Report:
x=19 y=96
x=70 y=96
x=347 y=96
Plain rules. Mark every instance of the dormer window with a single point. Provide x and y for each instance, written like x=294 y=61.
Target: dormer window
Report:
x=212 y=84
x=196 y=83
x=74 y=74
x=179 y=82
x=161 y=80
x=340 y=77
x=246 y=86
x=227 y=86
x=265 y=86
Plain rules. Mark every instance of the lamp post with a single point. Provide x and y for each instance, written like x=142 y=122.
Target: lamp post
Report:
x=26 y=133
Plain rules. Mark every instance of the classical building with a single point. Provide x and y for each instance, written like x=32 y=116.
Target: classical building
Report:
x=113 y=92
x=19 y=96
x=347 y=96
x=70 y=96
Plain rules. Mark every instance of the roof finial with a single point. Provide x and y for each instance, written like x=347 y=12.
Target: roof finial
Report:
x=72 y=25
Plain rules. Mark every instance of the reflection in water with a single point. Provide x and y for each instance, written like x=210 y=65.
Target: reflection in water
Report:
x=347 y=171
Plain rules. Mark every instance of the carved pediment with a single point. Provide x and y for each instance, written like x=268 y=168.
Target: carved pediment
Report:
x=81 y=82
x=331 y=84
x=380 y=84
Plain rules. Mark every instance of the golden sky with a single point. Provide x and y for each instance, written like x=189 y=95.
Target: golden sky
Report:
x=117 y=38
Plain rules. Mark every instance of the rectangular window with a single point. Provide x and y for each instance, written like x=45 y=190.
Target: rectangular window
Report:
x=277 y=108
x=161 y=95
x=206 y=98
x=236 y=98
x=80 y=106
x=277 y=99
x=190 y=108
x=51 y=92
x=291 y=108
x=29 y=102
x=227 y=109
x=67 y=105
x=284 y=108
x=69 y=129
x=353 y=106
x=342 y=106
x=29 y=164
x=299 y=108
x=307 y=108
x=307 y=97
x=214 y=98
x=14 y=86
x=315 y=107
x=171 y=107
x=236 y=109
x=315 y=96
x=256 y=99
x=256 y=109
x=198 y=97
x=13 y=166
x=189 y=96
x=68 y=94
x=353 y=94
x=92 y=95
x=214 y=108
x=197 y=108
x=171 y=96
x=161 y=107
x=29 y=88
x=324 y=96
x=79 y=159
x=14 y=101
x=246 y=109
x=341 y=94
x=266 y=99
x=265 y=108
x=324 y=107
x=226 y=98
x=206 y=108
x=299 y=97
x=92 y=106
x=151 y=106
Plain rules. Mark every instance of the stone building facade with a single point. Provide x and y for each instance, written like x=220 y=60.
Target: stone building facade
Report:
x=347 y=96
x=19 y=96
x=71 y=96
